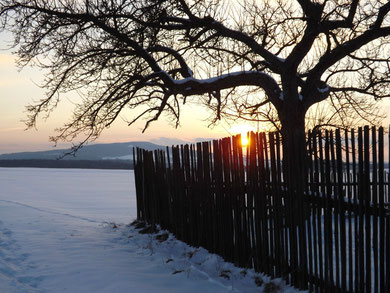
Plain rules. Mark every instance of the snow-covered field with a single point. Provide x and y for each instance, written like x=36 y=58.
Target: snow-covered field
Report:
x=66 y=230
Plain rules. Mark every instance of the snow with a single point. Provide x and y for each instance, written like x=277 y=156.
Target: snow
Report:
x=67 y=230
x=214 y=79
x=323 y=90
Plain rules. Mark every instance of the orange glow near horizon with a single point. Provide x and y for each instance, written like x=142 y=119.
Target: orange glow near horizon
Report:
x=244 y=139
x=244 y=130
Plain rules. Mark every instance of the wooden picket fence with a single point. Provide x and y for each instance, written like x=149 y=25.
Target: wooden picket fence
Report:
x=331 y=236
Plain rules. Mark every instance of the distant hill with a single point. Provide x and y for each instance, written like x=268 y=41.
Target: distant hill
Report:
x=74 y=164
x=94 y=152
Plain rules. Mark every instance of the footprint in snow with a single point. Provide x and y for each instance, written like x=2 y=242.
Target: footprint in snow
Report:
x=14 y=265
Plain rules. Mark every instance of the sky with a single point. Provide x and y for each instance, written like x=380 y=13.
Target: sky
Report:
x=20 y=88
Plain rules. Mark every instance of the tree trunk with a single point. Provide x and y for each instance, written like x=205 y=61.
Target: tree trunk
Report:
x=294 y=149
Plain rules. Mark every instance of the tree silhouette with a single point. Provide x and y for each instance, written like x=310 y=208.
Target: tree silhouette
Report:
x=154 y=55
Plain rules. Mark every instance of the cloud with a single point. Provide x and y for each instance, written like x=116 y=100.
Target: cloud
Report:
x=200 y=139
x=168 y=141
x=12 y=129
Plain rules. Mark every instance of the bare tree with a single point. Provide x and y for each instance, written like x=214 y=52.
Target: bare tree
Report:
x=154 y=55
x=334 y=112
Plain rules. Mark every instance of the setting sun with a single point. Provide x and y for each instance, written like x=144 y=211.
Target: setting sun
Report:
x=244 y=139
x=243 y=130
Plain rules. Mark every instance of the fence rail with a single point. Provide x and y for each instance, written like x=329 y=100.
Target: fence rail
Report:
x=333 y=236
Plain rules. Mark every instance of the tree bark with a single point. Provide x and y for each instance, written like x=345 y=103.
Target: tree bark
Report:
x=294 y=148
x=294 y=163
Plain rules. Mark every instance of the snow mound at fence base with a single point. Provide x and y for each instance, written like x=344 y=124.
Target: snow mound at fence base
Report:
x=197 y=263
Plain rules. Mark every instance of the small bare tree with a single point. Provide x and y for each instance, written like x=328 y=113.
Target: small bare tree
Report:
x=154 y=55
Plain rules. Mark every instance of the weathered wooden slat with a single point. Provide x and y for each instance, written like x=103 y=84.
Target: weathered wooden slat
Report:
x=176 y=188
x=276 y=207
x=381 y=195
x=199 y=196
x=356 y=211
x=342 y=212
x=228 y=195
x=138 y=185
x=267 y=205
x=350 y=211
x=188 y=194
x=387 y=227
x=361 y=189
x=328 y=239
x=206 y=200
x=335 y=214
x=242 y=206
x=262 y=203
x=251 y=182
x=218 y=183
x=237 y=216
x=311 y=237
x=281 y=207
x=375 y=208
x=316 y=213
x=258 y=251
x=367 y=204
x=321 y=213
